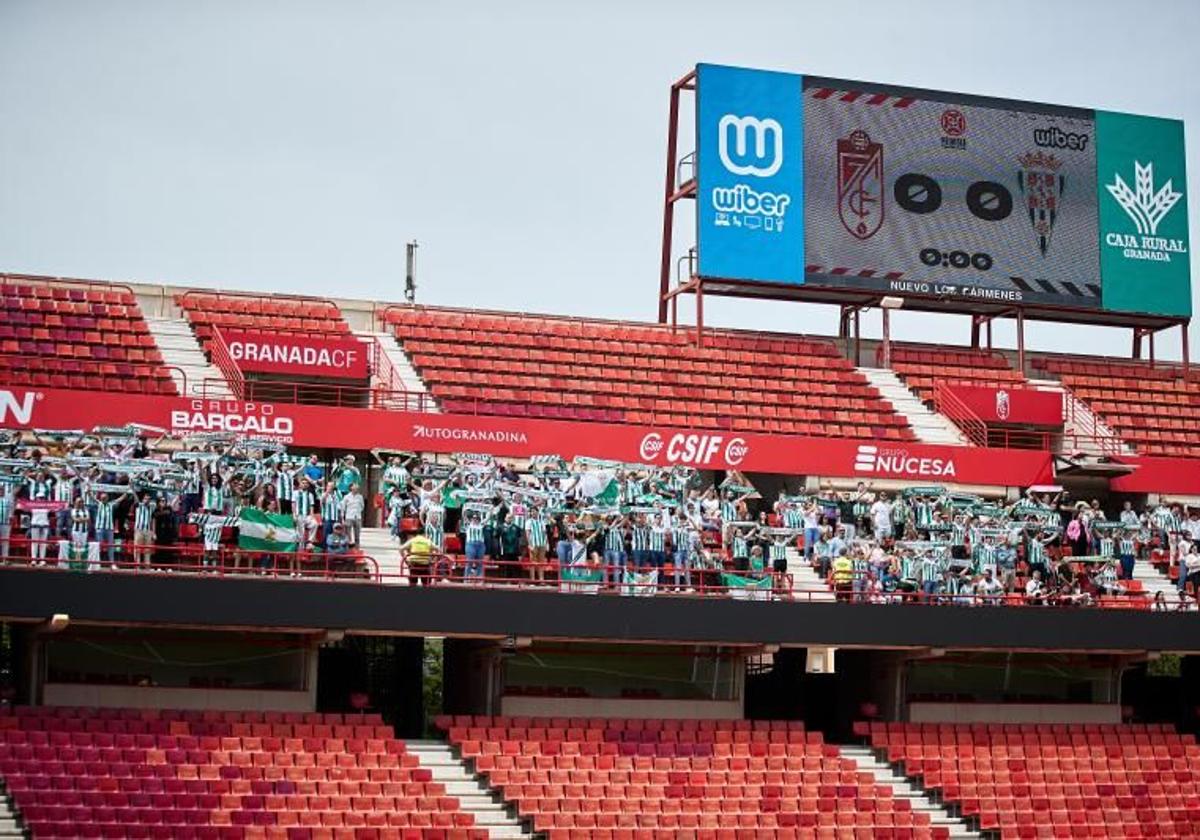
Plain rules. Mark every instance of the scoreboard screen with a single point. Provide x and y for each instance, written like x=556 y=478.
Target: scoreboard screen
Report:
x=830 y=183
x=949 y=198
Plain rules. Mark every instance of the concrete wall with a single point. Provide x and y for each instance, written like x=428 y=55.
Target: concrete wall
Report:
x=1014 y=713
x=616 y=708
x=125 y=696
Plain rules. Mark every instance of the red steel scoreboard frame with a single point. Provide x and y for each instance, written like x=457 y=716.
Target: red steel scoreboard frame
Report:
x=853 y=301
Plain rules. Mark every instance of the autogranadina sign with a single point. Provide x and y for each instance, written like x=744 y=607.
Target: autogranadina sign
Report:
x=364 y=429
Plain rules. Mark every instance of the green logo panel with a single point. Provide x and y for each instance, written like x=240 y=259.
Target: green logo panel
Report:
x=1144 y=257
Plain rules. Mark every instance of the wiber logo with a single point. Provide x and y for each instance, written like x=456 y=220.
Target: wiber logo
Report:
x=870 y=458
x=735 y=131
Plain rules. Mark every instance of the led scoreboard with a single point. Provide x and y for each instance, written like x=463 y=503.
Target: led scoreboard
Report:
x=836 y=184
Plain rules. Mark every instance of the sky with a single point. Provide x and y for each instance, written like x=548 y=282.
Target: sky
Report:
x=296 y=145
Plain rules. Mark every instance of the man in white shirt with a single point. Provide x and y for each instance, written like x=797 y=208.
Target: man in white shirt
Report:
x=352 y=506
x=1033 y=588
x=989 y=588
x=881 y=517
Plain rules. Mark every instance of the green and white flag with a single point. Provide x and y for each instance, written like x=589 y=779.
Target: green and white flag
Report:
x=578 y=576
x=747 y=589
x=639 y=584
x=262 y=531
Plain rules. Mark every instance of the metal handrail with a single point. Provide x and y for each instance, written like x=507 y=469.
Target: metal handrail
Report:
x=605 y=580
x=946 y=402
x=43 y=280
x=183 y=386
x=220 y=355
x=321 y=394
x=190 y=557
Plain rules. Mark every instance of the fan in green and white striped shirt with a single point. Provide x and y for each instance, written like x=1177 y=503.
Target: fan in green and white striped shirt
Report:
x=535 y=531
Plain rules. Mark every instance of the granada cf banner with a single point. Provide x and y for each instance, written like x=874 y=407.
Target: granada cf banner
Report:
x=1022 y=406
x=297 y=354
x=363 y=429
x=955 y=197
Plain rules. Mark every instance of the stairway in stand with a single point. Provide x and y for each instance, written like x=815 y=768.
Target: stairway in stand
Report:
x=473 y=795
x=179 y=348
x=807 y=584
x=379 y=544
x=929 y=426
x=903 y=789
x=10 y=825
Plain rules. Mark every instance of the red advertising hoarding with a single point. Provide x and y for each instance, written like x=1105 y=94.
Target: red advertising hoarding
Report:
x=1023 y=406
x=297 y=354
x=351 y=428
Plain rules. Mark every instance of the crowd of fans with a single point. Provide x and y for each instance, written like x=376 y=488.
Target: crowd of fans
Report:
x=131 y=495
x=135 y=497
x=641 y=528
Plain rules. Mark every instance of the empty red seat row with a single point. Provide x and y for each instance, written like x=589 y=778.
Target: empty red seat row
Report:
x=67 y=336
x=47 y=289
x=502 y=364
x=136 y=773
x=1013 y=778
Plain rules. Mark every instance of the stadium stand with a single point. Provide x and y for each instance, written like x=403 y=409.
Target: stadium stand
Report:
x=267 y=313
x=90 y=773
x=1151 y=407
x=63 y=334
x=923 y=367
x=499 y=363
x=583 y=777
x=1026 y=781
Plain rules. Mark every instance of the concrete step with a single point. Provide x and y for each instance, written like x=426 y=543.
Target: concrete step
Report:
x=402 y=369
x=902 y=788
x=808 y=585
x=380 y=545
x=929 y=426
x=474 y=796
x=180 y=349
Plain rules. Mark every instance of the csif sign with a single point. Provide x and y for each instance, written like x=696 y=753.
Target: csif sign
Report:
x=694 y=450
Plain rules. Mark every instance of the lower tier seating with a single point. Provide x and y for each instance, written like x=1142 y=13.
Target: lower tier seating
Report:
x=586 y=777
x=101 y=773
x=1030 y=781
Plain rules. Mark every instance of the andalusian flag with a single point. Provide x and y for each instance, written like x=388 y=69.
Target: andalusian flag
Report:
x=746 y=588
x=262 y=531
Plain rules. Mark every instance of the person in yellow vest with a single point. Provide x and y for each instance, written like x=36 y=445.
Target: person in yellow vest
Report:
x=841 y=574
x=417 y=554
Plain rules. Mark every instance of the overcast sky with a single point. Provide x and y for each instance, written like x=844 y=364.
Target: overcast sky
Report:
x=295 y=145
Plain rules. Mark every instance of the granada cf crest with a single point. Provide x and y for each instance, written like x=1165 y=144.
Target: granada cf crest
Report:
x=1002 y=405
x=860 y=184
x=1042 y=187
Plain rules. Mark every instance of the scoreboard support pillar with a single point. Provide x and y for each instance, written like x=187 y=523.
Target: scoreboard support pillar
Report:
x=1183 y=343
x=850 y=325
x=671 y=193
x=1020 y=340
